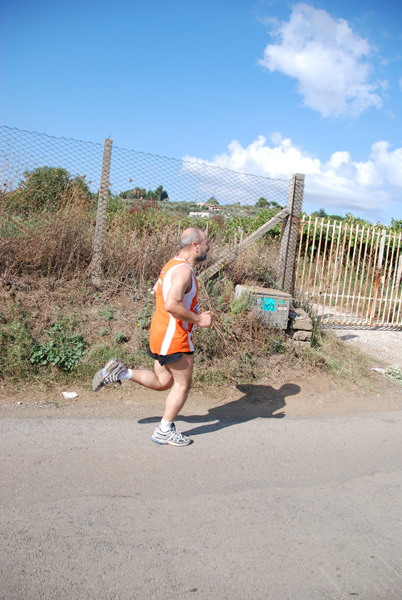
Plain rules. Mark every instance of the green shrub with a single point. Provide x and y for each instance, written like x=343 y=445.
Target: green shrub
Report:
x=108 y=314
x=121 y=337
x=47 y=188
x=240 y=304
x=16 y=347
x=64 y=349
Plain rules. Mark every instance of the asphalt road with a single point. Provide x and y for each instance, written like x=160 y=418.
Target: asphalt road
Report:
x=291 y=508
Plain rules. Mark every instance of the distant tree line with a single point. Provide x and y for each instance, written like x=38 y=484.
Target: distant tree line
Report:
x=47 y=188
x=139 y=193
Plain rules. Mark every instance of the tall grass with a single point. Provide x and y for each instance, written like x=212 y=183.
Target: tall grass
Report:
x=54 y=243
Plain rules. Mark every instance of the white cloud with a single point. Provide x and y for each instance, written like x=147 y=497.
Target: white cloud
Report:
x=367 y=188
x=284 y=158
x=389 y=163
x=328 y=61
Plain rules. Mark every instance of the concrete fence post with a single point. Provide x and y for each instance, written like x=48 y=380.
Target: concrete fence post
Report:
x=290 y=231
x=101 y=214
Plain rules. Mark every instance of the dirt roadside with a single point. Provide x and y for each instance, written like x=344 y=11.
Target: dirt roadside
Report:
x=382 y=344
x=287 y=389
x=287 y=392
x=291 y=394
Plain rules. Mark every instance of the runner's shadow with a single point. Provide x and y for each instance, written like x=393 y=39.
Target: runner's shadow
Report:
x=258 y=401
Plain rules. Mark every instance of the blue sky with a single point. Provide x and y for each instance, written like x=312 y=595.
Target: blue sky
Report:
x=265 y=87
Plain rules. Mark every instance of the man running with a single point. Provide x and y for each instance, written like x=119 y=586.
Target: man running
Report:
x=171 y=343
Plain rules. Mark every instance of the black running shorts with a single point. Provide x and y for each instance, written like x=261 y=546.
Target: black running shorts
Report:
x=167 y=359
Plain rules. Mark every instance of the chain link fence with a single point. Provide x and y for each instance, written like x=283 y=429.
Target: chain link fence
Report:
x=132 y=173
x=40 y=174
x=24 y=151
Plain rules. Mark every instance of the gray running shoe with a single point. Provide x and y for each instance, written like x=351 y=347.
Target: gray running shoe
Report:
x=174 y=437
x=109 y=374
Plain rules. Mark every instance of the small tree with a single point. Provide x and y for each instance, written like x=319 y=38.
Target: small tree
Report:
x=262 y=202
x=274 y=204
x=350 y=218
x=320 y=214
x=396 y=224
x=161 y=194
x=48 y=188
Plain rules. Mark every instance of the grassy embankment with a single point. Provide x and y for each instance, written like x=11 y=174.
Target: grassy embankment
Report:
x=56 y=327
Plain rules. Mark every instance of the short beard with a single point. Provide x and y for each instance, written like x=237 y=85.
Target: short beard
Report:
x=201 y=257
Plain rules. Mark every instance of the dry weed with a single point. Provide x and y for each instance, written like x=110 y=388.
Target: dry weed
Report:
x=56 y=243
x=132 y=256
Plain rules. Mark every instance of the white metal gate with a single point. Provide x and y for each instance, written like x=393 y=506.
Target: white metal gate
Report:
x=350 y=274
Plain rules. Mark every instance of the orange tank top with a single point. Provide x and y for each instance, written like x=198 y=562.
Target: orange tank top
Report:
x=170 y=335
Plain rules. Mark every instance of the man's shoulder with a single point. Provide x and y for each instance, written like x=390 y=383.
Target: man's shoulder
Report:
x=173 y=261
x=177 y=263
x=179 y=271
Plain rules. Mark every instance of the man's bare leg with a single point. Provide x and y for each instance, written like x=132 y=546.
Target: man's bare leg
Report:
x=167 y=432
x=176 y=376
x=159 y=379
x=181 y=373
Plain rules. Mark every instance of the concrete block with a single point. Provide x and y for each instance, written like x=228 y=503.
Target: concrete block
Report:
x=302 y=336
x=301 y=320
x=300 y=345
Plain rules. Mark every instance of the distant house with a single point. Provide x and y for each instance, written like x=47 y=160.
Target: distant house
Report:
x=207 y=205
x=212 y=207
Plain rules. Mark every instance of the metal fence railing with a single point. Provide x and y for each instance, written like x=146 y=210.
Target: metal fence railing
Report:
x=350 y=274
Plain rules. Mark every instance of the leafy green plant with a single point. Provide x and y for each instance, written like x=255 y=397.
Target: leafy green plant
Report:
x=107 y=314
x=315 y=336
x=16 y=346
x=274 y=345
x=144 y=316
x=279 y=347
x=240 y=304
x=121 y=338
x=394 y=372
x=64 y=348
x=46 y=188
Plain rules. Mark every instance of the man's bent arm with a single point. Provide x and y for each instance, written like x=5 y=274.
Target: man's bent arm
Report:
x=181 y=280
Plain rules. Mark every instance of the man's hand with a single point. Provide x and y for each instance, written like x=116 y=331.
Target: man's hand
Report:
x=205 y=319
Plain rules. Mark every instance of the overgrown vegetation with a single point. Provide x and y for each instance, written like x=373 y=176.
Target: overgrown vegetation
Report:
x=46 y=188
x=55 y=326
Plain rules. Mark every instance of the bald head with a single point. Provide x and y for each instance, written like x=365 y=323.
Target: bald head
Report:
x=194 y=246
x=191 y=235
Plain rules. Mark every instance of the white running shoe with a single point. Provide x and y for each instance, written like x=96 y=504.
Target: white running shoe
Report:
x=174 y=437
x=109 y=374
